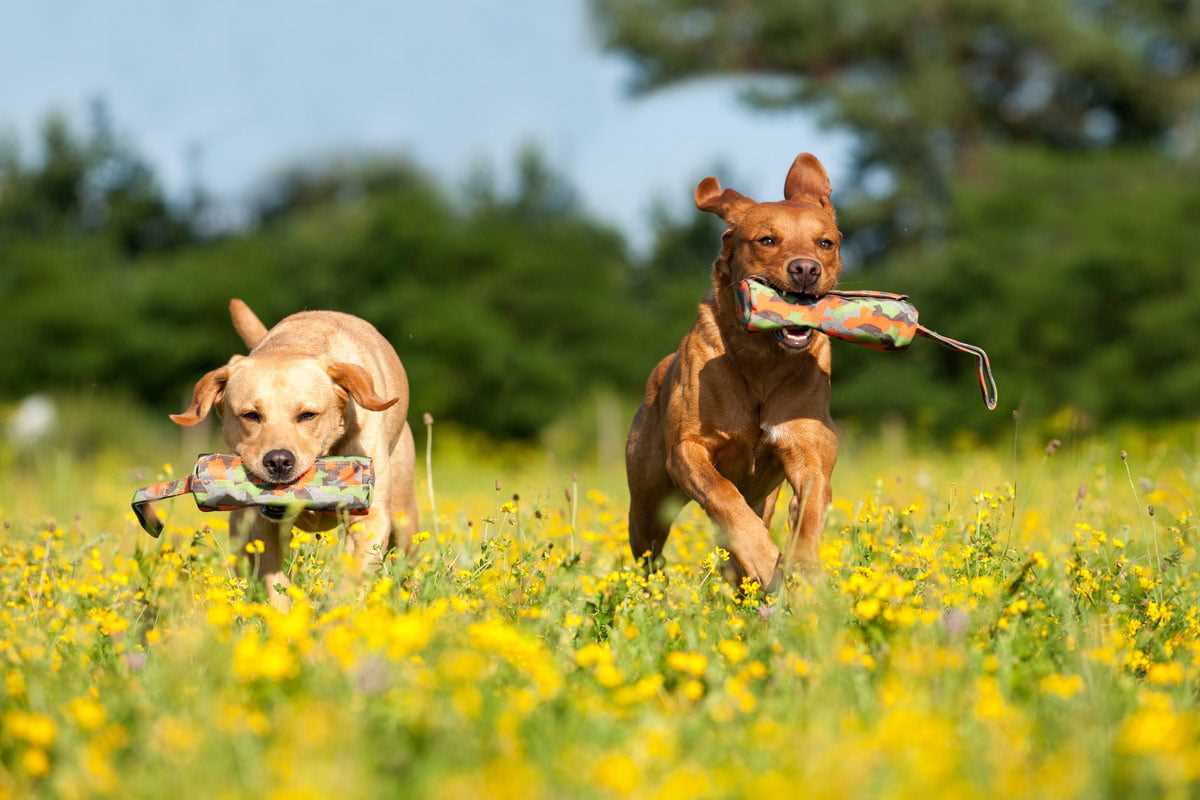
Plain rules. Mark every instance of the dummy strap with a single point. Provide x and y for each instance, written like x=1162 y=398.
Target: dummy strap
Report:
x=143 y=498
x=987 y=382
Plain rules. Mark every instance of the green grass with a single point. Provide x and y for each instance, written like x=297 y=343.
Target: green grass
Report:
x=989 y=622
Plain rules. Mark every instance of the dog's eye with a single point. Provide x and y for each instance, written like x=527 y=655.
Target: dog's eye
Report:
x=305 y=416
x=768 y=241
x=251 y=416
x=825 y=244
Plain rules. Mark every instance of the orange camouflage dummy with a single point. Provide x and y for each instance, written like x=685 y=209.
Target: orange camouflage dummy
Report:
x=220 y=483
x=878 y=320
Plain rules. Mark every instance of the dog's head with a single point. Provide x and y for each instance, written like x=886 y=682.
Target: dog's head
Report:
x=794 y=244
x=279 y=414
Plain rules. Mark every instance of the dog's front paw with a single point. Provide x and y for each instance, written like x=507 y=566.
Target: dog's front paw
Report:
x=775 y=582
x=763 y=565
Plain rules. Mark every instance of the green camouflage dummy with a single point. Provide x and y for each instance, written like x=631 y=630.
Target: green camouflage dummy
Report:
x=221 y=483
x=879 y=320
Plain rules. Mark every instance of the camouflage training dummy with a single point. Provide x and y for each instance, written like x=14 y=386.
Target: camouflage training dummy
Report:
x=878 y=320
x=221 y=483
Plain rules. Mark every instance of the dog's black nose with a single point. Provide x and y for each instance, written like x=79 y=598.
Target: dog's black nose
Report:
x=279 y=463
x=804 y=272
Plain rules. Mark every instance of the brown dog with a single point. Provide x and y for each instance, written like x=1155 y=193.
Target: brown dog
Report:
x=314 y=385
x=731 y=414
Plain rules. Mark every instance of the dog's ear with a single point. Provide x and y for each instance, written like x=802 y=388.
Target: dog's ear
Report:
x=356 y=382
x=807 y=180
x=725 y=203
x=207 y=393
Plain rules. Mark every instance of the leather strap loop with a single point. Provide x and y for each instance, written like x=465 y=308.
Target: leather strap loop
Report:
x=987 y=381
x=143 y=499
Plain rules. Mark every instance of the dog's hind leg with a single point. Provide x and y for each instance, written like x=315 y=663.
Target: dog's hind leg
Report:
x=404 y=495
x=767 y=511
x=649 y=488
x=648 y=523
x=766 y=507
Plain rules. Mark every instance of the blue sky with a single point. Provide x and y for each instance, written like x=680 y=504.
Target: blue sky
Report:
x=258 y=85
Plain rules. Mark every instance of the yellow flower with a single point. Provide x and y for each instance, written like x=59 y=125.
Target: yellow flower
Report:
x=733 y=650
x=755 y=670
x=99 y=768
x=1063 y=687
x=1167 y=674
x=37 y=729
x=592 y=654
x=983 y=586
x=219 y=616
x=641 y=691
x=1155 y=728
x=867 y=609
x=523 y=653
x=694 y=664
x=618 y=773
x=87 y=713
x=254 y=659
x=608 y=675
x=408 y=633
x=110 y=622
x=462 y=666
x=300 y=539
x=741 y=694
x=1158 y=613
x=685 y=782
x=798 y=665
x=989 y=701
x=35 y=762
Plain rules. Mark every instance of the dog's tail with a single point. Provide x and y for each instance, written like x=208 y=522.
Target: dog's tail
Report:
x=247 y=325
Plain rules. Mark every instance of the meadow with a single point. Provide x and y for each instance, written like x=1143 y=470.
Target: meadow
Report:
x=1008 y=620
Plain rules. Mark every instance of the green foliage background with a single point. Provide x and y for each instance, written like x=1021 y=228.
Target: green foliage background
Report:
x=1026 y=172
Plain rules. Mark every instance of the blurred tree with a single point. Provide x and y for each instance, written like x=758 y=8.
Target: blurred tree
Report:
x=507 y=309
x=302 y=188
x=670 y=281
x=1076 y=269
x=1079 y=275
x=95 y=184
x=923 y=84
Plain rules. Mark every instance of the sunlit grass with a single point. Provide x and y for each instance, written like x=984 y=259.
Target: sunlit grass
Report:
x=987 y=623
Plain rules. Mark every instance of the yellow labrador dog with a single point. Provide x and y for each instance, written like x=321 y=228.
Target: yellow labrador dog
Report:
x=312 y=386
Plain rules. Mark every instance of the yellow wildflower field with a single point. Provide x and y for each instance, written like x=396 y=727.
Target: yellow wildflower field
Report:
x=987 y=623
